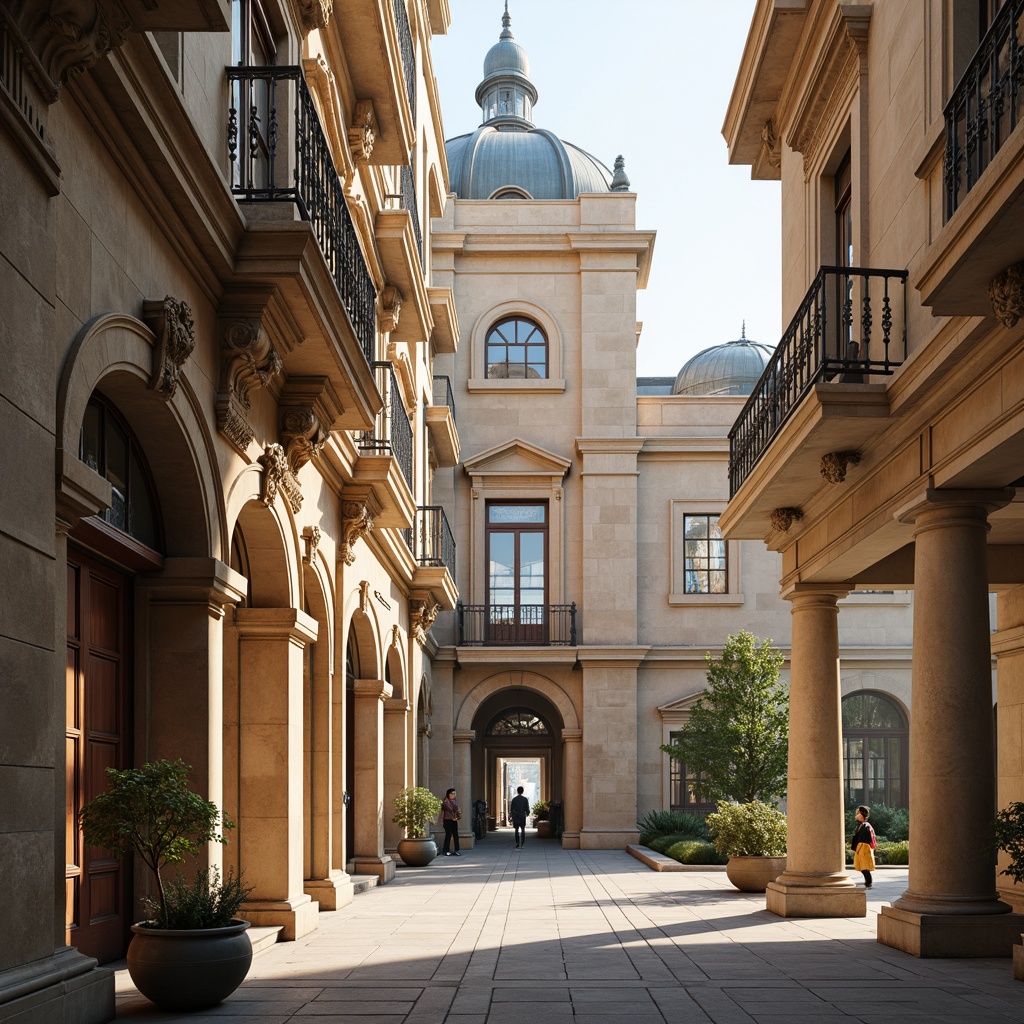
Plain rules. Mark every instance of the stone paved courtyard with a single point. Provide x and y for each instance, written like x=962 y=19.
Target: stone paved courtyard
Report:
x=546 y=936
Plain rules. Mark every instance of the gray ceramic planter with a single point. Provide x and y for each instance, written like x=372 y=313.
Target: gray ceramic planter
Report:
x=417 y=853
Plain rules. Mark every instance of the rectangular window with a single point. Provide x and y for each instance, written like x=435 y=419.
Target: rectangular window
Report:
x=517 y=542
x=704 y=555
x=683 y=791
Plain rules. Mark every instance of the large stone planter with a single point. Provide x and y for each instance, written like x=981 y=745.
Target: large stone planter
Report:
x=544 y=829
x=189 y=969
x=417 y=853
x=752 y=874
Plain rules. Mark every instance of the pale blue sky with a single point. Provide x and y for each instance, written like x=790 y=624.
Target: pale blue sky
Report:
x=649 y=79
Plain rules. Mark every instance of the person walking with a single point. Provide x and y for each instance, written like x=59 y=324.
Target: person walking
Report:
x=518 y=809
x=450 y=815
x=864 y=843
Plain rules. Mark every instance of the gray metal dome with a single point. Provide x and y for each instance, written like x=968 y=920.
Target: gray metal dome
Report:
x=730 y=369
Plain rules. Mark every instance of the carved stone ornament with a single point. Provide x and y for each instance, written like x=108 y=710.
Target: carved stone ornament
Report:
x=311 y=536
x=278 y=477
x=248 y=361
x=364 y=595
x=389 y=308
x=356 y=522
x=362 y=135
x=171 y=322
x=396 y=637
x=315 y=13
x=1006 y=291
x=303 y=435
x=834 y=465
x=770 y=148
x=422 y=616
x=783 y=518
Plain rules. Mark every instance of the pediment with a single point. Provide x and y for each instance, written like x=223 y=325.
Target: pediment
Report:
x=682 y=704
x=518 y=458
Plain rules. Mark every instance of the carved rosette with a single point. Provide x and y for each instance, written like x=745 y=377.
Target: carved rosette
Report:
x=422 y=615
x=303 y=435
x=783 y=518
x=389 y=308
x=311 y=537
x=362 y=135
x=1006 y=292
x=248 y=361
x=834 y=465
x=356 y=522
x=171 y=322
x=278 y=477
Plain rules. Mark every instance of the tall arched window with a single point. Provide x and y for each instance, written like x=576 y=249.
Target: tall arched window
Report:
x=516 y=348
x=875 y=749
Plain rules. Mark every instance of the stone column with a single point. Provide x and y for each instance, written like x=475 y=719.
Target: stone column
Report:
x=815 y=882
x=270 y=757
x=396 y=764
x=572 y=789
x=368 y=785
x=950 y=906
x=463 y=783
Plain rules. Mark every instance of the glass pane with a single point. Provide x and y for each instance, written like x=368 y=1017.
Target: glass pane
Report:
x=91 y=443
x=515 y=514
x=853 y=711
x=117 y=474
x=141 y=514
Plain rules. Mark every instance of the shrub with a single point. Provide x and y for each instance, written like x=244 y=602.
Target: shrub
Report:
x=414 y=808
x=748 y=830
x=540 y=811
x=893 y=853
x=695 y=851
x=206 y=902
x=1008 y=836
x=670 y=823
x=662 y=843
x=891 y=822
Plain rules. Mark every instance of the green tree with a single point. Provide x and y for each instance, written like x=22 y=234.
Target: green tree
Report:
x=737 y=739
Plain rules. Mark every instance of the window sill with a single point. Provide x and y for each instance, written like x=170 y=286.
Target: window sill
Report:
x=517 y=387
x=705 y=599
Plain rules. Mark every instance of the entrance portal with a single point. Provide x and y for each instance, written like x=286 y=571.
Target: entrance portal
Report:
x=515 y=772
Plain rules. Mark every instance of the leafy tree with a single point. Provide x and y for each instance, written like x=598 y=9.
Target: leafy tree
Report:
x=736 y=742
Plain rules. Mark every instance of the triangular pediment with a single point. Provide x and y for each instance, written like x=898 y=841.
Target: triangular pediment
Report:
x=682 y=704
x=517 y=458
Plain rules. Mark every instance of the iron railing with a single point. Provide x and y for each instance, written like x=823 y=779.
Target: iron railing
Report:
x=409 y=203
x=408 y=52
x=833 y=337
x=509 y=625
x=392 y=431
x=287 y=159
x=986 y=104
x=443 y=394
x=431 y=540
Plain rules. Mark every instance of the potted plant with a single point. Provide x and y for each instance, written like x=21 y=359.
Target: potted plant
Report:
x=753 y=837
x=1008 y=836
x=541 y=817
x=193 y=951
x=415 y=807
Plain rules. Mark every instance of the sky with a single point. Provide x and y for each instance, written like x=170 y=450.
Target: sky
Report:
x=650 y=79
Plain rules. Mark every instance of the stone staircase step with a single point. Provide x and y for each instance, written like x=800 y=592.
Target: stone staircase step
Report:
x=361 y=883
x=264 y=938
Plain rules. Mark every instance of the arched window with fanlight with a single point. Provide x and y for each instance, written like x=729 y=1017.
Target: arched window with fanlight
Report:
x=875 y=750
x=516 y=348
x=518 y=722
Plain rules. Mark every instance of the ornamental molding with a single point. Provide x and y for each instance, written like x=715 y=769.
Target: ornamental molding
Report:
x=308 y=406
x=364 y=595
x=277 y=478
x=783 y=518
x=356 y=522
x=396 y=637
x=248 y=361
x=363 y=133
x=771 y=151
x=315 y=14
x=422 y=615
x=171 y=322
x=389 y=309
x=1006 y=292
x=311 y=537
x=835 y=464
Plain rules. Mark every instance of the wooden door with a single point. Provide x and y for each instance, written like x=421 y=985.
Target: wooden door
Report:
x=98 y=672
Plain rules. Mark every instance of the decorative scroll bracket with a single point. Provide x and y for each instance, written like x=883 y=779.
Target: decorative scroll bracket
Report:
x=171 y=321
x=1006 y=292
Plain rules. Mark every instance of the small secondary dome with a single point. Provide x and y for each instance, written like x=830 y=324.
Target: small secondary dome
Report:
x=730 y=369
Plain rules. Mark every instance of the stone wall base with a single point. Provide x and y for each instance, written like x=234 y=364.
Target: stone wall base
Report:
x=570 y=840
x=1018 y=962
x=295 y=917
x=382 y=867
x=598 y=838
x=816 y=900
x=64 y=987
x=331 y=893
x=950 y=935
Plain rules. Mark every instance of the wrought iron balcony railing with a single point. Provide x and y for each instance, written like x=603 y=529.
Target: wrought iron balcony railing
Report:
x=409 y=203
x=392 y=432
x=285 y=158
x=408 y=52
x=833 y=337
x=443 y=394
x=431 y=540
x=509 y=625
x=986 y=104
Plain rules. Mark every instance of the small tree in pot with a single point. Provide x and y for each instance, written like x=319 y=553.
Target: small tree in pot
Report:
x=415 y=807
x=753 y=837
x=151 y=812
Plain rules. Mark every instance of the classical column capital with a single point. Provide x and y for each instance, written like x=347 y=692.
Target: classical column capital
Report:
x=815 y=593
x=572 y=735
x=377 y=688
x=966 y=503
x=396 y=706
x=464 y=735
x=196 y=581
x=276 y=623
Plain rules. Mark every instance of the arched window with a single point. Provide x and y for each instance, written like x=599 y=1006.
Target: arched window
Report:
x=875 y=749
x=518 y=722
x=516 y=348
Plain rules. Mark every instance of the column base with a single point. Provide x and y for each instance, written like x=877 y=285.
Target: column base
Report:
x=1018 y=962
x=64 y=987
x=295 y=917
x=607 y=838
x=383 y=867
x=571 y=841
x=789 y=900
x=950 y=935
x=467 y=840
x=332 y=893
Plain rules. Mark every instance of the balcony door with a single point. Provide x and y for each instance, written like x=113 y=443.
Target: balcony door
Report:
x=517 y=558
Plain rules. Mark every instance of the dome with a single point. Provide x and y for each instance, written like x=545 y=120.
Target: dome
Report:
x=730 y=369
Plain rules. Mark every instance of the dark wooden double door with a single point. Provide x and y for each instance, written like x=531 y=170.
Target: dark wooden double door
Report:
x=97 y=737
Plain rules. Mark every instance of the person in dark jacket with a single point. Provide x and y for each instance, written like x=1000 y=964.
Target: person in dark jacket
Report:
x=863 y=843
x=518 y=809
x=450 y=815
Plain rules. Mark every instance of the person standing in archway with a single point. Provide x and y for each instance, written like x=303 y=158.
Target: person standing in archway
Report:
x=519 y=808
x=450 y=815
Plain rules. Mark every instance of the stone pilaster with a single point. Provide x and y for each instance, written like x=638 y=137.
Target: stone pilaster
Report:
x=815 y=882
x=464 y=783
x=396 y=764
x=572 y=789
x=368 y=785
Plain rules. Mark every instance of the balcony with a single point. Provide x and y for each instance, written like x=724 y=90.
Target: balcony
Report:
x=433 y=548
x=441 y=424
x=982 y=187
x=280 y=163
x=850 y=329
x=498 y=625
